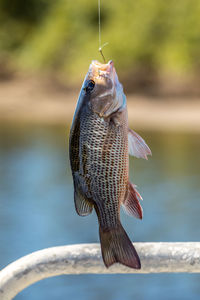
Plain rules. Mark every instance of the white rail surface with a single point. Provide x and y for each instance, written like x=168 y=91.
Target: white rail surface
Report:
x=86 y=259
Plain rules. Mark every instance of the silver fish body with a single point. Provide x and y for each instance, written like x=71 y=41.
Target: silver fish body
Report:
x=99 y=147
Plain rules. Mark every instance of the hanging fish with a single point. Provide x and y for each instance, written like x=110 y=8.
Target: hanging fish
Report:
x=100 y=144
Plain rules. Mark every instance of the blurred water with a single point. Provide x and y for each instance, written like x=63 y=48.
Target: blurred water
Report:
x=37 y=210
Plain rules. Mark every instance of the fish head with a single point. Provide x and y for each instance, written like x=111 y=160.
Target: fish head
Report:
x=104 y=91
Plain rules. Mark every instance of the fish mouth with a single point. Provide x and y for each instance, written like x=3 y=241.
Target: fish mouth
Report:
x=100 y=72
x=98 y=69
x=103 y=67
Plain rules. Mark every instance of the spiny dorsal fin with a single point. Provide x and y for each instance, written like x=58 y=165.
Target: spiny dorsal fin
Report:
x=137 y=146
x=131 y=203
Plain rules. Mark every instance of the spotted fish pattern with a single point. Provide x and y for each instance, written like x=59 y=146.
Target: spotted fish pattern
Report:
x=99 y=146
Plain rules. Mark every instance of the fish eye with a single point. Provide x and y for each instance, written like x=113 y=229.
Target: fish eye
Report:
x=90 y=85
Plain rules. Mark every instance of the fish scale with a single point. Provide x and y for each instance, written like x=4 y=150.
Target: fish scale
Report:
x=105 y=175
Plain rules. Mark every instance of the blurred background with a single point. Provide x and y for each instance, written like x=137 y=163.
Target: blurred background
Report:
x=45 y=51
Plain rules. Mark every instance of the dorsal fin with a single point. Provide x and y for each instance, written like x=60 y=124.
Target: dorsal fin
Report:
x=131 y=202
x=137 y=146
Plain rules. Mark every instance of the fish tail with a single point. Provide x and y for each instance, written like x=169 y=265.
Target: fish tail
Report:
x=117 y=247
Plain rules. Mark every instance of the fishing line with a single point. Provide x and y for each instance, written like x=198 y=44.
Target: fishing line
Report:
x=100 y=47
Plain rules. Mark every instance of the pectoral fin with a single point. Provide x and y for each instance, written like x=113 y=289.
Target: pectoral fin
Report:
x=83 y=206
x=131 y=202
x=137 y=146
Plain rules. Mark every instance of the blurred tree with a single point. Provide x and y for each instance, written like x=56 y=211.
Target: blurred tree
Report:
x=17 y=19
x=23 y=10
x=62 y=36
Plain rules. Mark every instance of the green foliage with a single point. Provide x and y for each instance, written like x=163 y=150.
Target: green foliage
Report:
x=62 y=36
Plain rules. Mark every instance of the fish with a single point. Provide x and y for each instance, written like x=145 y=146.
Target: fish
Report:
x=99 y=145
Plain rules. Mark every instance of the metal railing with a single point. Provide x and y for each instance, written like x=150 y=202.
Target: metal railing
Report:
x=86 y=259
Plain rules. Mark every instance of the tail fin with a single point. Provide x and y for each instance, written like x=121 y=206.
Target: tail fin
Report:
x=117 y=247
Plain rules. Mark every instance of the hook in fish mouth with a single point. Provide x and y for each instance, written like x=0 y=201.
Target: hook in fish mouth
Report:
x=108 y=68
x=98 y=71
x=104 y=75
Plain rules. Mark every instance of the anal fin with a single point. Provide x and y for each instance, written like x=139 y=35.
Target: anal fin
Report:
x=82 y=204
x=131 y=203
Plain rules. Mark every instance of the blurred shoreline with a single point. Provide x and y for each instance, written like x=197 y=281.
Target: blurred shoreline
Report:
x=33 y=101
